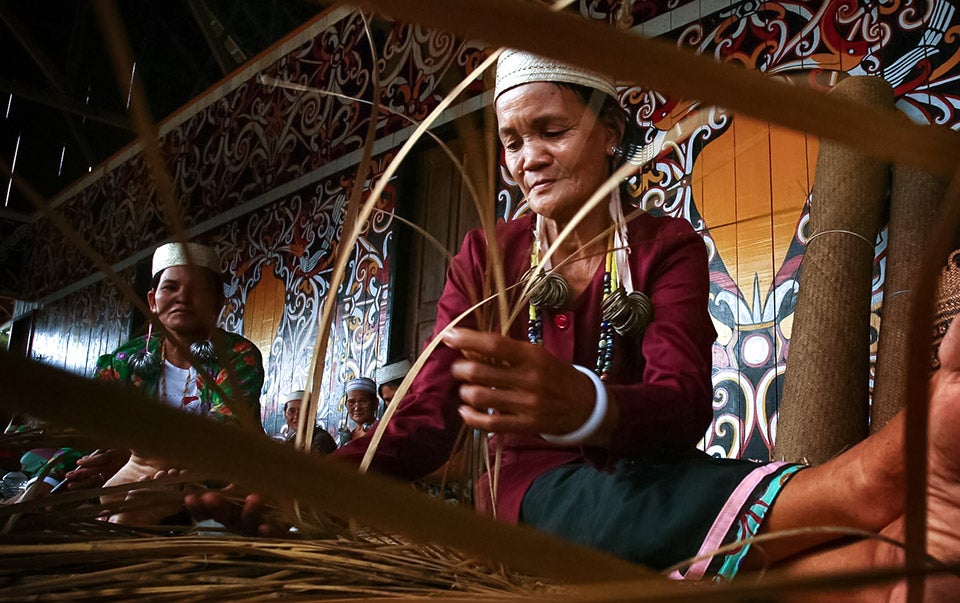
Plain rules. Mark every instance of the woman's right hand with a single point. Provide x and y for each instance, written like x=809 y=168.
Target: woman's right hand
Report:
x=511 y=386
x=94 y=469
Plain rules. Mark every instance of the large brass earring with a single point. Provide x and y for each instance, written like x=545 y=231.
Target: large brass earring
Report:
x=547 y=289
x=628 y=313
x=145 y=363
x=203 y=351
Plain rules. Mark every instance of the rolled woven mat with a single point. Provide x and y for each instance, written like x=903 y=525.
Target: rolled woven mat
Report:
x=915 y=199
x=948 y=304
x=825 y=395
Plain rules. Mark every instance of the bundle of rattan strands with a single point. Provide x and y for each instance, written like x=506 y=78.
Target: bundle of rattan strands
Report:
x=58 y=547
x=101 y=562
x=189 y=568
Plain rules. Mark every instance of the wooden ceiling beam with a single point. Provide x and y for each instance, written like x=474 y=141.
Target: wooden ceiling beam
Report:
x=30 y=45
x=225 y=51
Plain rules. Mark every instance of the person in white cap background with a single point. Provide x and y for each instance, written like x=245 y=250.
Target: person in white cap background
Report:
x=176 y=366
x=389 y=378
x=322 y=443
x=361 y=404
x=293 y=401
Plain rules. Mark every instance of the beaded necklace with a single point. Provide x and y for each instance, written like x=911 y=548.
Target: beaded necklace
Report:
x=623 y=309
x=605 y=343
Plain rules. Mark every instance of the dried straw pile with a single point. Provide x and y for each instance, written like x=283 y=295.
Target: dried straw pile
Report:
x=185 y=568
x=54 y=548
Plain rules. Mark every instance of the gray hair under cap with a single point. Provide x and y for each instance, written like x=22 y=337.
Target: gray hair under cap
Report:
x=516 y=67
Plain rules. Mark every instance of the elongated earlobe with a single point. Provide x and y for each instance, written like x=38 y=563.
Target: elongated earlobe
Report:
x=151 y=301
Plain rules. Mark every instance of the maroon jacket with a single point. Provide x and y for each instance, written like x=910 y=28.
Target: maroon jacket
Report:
x=662 y=384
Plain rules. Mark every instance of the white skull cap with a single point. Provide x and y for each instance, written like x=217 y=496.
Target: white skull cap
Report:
x=294 y=395
x=516 y=67
x=175 y=254
x=364 y=384
x=393 y=372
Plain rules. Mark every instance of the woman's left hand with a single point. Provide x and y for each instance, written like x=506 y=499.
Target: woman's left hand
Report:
x=94 y=469
x=143 y=506
x=515 y=386
x=251 y=517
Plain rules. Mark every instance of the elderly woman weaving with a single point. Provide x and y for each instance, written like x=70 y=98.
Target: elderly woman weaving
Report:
x=599 y=398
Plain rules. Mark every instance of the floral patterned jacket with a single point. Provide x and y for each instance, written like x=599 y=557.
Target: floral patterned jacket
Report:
x=239 y=376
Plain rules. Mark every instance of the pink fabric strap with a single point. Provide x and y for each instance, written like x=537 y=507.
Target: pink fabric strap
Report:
x=721 y=525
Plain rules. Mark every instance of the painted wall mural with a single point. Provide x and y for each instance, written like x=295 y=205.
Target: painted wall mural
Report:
x=258 y=137
x=257 y=149
x=294 y=242
x=73 y=333
x=756 y=250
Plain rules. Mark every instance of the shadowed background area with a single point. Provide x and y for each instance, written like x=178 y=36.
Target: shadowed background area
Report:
x=61 y=110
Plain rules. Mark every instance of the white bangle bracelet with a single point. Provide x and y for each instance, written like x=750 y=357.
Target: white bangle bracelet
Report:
x=593 y=422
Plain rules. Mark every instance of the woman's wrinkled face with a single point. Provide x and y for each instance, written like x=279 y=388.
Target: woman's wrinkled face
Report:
x=186 y=301
x=555 y=147
x=292 y=413
x=361 y=406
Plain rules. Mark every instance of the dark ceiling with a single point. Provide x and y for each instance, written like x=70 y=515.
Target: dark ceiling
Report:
x=61 y=109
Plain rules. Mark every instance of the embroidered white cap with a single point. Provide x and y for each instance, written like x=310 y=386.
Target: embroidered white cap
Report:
x=516 y=67
x=175 y=254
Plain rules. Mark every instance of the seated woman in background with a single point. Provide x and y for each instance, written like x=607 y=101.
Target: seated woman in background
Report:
x=291 y=415
x=322 y=442
x=361 y=403
x=176 y=368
